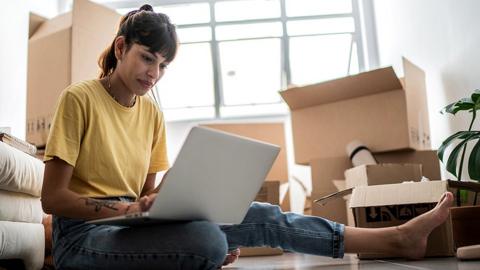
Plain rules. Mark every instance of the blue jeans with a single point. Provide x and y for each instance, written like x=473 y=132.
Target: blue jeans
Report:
x=190 y=245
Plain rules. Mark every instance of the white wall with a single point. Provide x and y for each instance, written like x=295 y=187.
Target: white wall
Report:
x=13 y=65
x=13 y=59
x=442 y=37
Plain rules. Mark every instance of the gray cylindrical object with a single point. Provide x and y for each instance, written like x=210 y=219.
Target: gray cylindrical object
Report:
x=359 y=154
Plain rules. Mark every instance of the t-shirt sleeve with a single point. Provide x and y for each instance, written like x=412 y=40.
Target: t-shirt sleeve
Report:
x=67 y=129
x=159 y=158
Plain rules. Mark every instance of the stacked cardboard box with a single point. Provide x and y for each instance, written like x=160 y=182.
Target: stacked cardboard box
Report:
x=386 y=113
x=389 y=115
x=62 y=51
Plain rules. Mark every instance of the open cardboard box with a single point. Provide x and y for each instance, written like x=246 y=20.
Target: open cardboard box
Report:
x=326 y=173
x=372 y=107
x=394 y=204
x=380 y=174
x=62 y=51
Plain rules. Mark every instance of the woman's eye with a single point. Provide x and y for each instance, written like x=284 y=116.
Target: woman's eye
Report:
x=163 y=66
x=147 y=59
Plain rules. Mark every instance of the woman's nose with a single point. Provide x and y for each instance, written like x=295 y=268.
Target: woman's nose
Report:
x=154 y=72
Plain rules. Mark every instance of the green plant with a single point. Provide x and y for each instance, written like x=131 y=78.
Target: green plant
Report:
x=460 y=140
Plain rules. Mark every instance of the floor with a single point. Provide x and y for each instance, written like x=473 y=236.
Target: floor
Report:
x=350 y=262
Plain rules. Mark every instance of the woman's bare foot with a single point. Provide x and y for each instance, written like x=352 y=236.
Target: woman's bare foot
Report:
x=412 y=238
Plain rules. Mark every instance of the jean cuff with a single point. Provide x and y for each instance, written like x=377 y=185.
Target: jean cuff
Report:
x=338 y=242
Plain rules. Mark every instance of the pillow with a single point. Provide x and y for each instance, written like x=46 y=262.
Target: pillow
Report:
x=20 y=172
x=24 y=241
x=20 y=207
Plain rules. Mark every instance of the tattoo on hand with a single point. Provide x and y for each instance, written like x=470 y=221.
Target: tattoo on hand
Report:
x=99 y=204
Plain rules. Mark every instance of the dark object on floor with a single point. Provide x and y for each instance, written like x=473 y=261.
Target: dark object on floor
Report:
x=12 y=264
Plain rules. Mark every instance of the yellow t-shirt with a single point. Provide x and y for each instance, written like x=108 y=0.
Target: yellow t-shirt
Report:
x=111 y=147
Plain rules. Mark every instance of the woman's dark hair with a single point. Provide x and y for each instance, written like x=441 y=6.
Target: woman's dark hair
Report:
x=144 y=27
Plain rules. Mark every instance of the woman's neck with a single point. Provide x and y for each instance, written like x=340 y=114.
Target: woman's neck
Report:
x=118 y=90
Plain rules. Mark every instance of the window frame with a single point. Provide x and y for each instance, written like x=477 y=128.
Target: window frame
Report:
x=364 y=36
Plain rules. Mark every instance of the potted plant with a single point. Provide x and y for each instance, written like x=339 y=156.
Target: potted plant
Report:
x=460 y=140
x=463 y=218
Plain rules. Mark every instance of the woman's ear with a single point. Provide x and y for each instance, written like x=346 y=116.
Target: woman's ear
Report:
x=120 y=47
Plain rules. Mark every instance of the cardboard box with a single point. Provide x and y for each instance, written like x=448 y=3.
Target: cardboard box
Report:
x=335 y=210
x=391 y=205
x=372 y=107
x=428 y=159
x=380 y=174
x=273 y=133
x=62 y=51
x=324 y=170
x=324 y=173
x=269 y=192
x=327 y=171
x=465 y=224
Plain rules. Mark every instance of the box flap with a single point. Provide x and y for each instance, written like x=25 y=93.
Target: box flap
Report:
x=35 y=22
x=398 y=194
x=90 y=36
x=51 y=26
x=327 y=198
x=417 y=105
x=363 y=84
x=383 y=173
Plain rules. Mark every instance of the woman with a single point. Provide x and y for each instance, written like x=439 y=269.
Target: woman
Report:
x=105 y=147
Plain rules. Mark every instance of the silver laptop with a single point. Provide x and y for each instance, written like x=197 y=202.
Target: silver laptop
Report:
x=215 y=177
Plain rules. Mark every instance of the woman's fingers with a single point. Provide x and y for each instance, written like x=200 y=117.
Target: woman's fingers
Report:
x=147 y=201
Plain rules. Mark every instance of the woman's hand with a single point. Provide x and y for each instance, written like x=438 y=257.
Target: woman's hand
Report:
x=142 y=205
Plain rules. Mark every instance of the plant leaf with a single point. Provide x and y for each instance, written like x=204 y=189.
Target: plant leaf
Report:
x=476 y=96
x=463 y=104
x=453 y=157
x=474 y=162
x=449 y=140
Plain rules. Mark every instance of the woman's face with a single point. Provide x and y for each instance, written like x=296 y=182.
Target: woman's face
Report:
x=140 y=69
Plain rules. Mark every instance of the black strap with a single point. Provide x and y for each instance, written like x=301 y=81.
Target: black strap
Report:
x=358 y=149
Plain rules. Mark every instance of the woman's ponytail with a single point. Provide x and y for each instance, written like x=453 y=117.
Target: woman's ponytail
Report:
x=107 y=61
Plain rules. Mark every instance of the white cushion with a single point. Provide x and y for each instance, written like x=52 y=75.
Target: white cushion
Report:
x=20 y=207
x=24 y=241
x=20 y=172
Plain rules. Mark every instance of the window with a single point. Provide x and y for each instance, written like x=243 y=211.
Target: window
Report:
x=235 y=55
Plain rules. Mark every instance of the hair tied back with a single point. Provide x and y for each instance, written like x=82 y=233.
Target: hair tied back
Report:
x=146 y=7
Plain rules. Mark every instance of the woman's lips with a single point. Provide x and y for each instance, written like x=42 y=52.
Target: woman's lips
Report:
x=146 y=84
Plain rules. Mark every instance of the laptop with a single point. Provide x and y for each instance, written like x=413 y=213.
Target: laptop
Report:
x=215 y=177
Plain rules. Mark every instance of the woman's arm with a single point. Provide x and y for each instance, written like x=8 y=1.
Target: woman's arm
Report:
x=149 y=187
x=57 y=199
